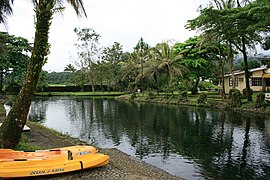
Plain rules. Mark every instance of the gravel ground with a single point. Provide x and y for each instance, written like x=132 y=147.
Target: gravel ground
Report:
x=121 y=166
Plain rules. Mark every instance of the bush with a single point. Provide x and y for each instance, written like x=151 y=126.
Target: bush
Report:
x=260 y=100
x=183 y=96
x=150 y=95
x=133 y=96
x=245 y=92
x=235 y=98
x=202 y=98
x=205 y=86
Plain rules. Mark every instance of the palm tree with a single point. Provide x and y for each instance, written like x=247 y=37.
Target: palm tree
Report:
x=130 y=69
x=11 y=130
x=5 y=10
x=164 y=61
x=70 y=68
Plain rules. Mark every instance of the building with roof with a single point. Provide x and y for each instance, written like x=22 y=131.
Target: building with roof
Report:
x=259 y=79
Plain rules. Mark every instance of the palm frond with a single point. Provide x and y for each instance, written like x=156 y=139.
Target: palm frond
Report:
x=5 y=10
x=78 y=7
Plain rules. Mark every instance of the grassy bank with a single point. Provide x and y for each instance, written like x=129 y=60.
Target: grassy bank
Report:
x=212 y=101
x=79 y=93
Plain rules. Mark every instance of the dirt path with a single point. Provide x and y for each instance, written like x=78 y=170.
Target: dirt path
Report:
x=121 y=166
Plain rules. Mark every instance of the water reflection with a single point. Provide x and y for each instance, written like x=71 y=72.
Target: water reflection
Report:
x=189 y=142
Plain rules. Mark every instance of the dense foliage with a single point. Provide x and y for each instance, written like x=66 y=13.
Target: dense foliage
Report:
x=14 y=58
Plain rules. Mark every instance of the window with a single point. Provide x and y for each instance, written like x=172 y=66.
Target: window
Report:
x=241 y=79
x=235 y=82
x=230 y=82
x=256 y=81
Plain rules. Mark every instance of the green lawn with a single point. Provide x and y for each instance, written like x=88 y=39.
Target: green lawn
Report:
x=79 y=93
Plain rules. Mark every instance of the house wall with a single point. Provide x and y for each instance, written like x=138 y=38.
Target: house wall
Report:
x=242 y=81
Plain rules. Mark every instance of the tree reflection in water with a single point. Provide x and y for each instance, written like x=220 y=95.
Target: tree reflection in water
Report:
x=190 y=142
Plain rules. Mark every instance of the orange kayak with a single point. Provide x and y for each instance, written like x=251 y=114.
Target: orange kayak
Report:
x=15 y=164
x=11 y=155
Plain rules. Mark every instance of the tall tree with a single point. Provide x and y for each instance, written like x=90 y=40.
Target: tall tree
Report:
x=164 y=61
x=142 y=52
x=212 y=40
x=112 y=56
x=11 y=129
x=197 y=59
x=234 y=25
x=87 y=45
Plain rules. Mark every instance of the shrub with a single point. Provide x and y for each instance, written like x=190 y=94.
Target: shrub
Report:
x=202 y=98
x=183 y=96
x=260 y=100
x=204 y=86
x=133 y=96
x=232 y=91
x=235 y=98
x=150 y=95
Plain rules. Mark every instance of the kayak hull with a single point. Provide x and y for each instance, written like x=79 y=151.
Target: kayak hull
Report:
x=72 y=160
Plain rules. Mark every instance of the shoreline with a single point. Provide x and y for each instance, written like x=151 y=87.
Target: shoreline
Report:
x=219 y=105
x=121 y=166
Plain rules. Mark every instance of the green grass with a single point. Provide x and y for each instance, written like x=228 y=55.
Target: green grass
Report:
x=23 y=144
x=79 y=93
x=57 y=85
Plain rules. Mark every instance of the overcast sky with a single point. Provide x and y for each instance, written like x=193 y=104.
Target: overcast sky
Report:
x=123 y=21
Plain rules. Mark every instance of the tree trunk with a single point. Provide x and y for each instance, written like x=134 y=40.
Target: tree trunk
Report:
x=1 y=80
x=11 y=130
x=223 y=96
x=248 y=91
x=231 y=65
x=194 y=89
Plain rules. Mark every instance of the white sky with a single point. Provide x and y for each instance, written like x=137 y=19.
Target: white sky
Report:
x=123 y=21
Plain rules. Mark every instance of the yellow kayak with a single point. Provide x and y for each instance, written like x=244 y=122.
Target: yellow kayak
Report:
x=11 y=155
x=47 y=162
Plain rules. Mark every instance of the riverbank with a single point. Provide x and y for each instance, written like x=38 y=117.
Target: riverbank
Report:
x=121 y=166
x=212 y=101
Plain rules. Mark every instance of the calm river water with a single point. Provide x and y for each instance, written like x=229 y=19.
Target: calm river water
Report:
x=193 y=143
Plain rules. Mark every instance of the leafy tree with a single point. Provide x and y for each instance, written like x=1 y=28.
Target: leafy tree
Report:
x=42 y=83
x=212 y=40
x=14 y=57
x=13 y=124
x=112 y=56
x=58 y=77
x=102 y=77
x=259 y=10
x=197 y=59
x=87 y=45
x=236 y=25
x=141 y=53
x=81 y=77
